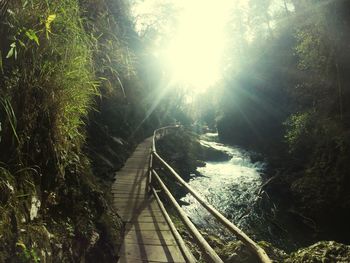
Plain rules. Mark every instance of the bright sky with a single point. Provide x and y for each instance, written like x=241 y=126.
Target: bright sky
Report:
x=194 y=53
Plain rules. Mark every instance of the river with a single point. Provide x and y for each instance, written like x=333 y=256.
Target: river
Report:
x=233 y=187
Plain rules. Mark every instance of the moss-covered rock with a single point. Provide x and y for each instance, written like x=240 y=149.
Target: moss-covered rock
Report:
x=321 y=252
x=324 y=251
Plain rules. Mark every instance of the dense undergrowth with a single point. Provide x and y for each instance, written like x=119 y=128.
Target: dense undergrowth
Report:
x=60 y=63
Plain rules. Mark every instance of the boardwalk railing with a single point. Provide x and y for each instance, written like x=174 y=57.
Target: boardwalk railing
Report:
x=207 y=250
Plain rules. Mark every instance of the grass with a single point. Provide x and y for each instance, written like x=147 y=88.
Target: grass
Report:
x=51 y=72
x=55 y=60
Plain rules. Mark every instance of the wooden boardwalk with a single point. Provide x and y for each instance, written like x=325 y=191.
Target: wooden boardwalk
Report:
x=148 y=237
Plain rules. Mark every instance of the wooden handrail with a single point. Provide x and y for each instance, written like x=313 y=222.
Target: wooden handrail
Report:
x=209 y=251
x=187 y=254
x=252 y=246
x=161 y=129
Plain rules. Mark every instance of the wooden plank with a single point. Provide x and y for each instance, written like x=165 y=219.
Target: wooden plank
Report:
x=210 y=253
x=129 y=202
x=150 y=241
x=131 y=215
x=132 y=170
x=135 y=209
x=139 y=163
x=129 y=182
x=121 y=201
x=151 y=252
x=187 y=254
x=133 y=198
x=147 y=219
x=129 y=176
x=124 y=259
x=136 y=183
x=130 y=190
x=129 y=187
x=132 y=178
x=135 y=166
x=137 y=226
x=117 y=195
x=146 y=207
x=135 y=192
x=148 y=237
x=132 y=210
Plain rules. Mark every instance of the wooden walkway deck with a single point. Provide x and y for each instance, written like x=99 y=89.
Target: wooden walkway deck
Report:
x=148 y=237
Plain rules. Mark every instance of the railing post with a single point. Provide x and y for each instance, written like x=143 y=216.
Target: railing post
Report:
x=209 y=252
x=256 y=249
x=149 y=176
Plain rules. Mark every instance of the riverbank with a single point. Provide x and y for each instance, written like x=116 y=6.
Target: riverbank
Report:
x=232 y=185
x=266 y=227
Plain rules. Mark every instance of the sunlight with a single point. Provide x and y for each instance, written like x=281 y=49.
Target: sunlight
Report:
x=194 y=54
x=192 y=49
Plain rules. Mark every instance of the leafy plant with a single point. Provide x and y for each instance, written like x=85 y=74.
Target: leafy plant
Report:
x=48 y=22
x=28 y=254
x=30 y=33
x=10 y=115
x=298 y=130
x=12 y=51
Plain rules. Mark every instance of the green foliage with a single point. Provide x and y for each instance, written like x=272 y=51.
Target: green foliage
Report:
x=32 y=36
x=50 y=77
x=27 y=254
x=10 y=116
x=311 y=49
x=60 y=70
x=12 y=51
x=298 y=130
x=56 y=58
x=114 y=61
x=48 y=22
x=290 y=91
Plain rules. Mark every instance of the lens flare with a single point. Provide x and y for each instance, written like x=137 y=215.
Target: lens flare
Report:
x=195 y=52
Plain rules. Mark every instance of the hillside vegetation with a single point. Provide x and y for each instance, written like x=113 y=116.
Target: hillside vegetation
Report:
x=290 y=102
x=65 y=66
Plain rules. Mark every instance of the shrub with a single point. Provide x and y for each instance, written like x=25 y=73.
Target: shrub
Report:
x=299 y=128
